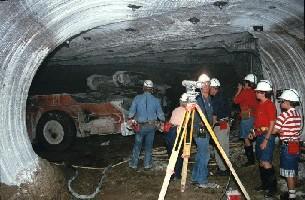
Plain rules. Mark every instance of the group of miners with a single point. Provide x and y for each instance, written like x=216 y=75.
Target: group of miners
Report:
x=259 y=124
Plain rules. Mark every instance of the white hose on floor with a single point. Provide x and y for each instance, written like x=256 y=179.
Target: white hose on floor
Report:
x=157 y=152
x=97 y=189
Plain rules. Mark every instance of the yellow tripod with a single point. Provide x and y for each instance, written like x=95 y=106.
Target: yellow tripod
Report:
x=184 y=135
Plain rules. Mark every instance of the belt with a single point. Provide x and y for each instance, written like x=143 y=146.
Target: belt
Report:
x=218 y=123
x=285 y=142
x=221 y=121
x=260 y=131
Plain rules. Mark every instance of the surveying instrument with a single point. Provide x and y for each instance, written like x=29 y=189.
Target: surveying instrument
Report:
x=185 y=135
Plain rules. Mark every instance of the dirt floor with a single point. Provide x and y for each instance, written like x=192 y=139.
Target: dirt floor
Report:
x=104 y=160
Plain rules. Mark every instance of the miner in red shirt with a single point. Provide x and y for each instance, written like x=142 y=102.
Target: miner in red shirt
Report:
x=265 y=117
x=245 y=97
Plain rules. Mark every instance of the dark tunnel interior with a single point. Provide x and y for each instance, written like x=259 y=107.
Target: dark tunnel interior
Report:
x=72 y=79
x=167 y=69
x=70 y=70
x=121 y=78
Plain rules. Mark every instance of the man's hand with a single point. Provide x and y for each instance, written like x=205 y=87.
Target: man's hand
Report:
x=252 y=135
x=166 y=126
x=130 y=122
x=239 y=87
x=160 y=126
x=185 y=156
x=263 y=145
x=276 y=131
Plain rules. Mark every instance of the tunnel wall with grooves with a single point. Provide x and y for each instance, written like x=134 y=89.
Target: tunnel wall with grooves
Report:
x=31 y=29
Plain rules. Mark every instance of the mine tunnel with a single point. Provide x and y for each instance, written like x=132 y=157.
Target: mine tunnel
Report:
x=102 y=52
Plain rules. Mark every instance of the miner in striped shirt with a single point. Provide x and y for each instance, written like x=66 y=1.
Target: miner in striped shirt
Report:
x=288 y=126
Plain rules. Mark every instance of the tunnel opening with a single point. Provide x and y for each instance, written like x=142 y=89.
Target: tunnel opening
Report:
x=100 y=83
x=117 y=78
x=17 y=75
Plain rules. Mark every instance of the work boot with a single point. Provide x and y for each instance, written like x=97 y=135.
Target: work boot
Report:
x=194 y=183
x=209 y=185
x=250 y=156
x=284 y=196
x=147 y=169
x=174 y=177
x=263 y=186
x=271 y=182
x=221 y=172
x=260 y=188
x=269 y=194
x=292 y=194
x=135 y=168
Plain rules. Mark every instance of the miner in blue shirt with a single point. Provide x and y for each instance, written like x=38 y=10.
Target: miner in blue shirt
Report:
x=146 y=111
x=201 y=136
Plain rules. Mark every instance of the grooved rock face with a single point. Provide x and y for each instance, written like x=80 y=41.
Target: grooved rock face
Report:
x=49 y=183
x=156 y=33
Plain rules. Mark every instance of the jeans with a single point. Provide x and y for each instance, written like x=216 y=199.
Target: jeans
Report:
x=223 y=138
x=245 y=126
x=146 y=135
x=289 y=164
x=267 y=153
x=200 y=169
x=169 y=139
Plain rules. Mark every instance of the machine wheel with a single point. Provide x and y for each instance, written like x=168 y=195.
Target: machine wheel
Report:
x=55 y=131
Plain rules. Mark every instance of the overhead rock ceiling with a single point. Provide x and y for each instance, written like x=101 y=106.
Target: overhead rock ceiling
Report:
x=198 y=50
x=86 y=54
x=176 y=29
x=182 y=35
x=127 y=32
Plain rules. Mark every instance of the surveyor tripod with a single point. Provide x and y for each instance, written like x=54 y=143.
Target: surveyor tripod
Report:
x=185 y=134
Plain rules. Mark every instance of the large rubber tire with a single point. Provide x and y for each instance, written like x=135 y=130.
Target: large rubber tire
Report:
x=55 y=131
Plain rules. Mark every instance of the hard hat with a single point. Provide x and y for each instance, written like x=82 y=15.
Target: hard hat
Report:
x=215 y=82
x=183 y=97
x=203 y=78
x=290 y=95
x=251 y=77
x=264 y=85
x=148 y=83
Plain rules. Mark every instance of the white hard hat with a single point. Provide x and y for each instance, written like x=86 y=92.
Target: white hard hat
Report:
x=183 y=97
x=148 y=83
x=290 y=95
x=264 y=85
x=215 y=82
x=251 y=77
x=203 y=78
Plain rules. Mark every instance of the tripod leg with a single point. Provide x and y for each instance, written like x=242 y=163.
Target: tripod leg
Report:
x=223 y=154
x=175 y=152
x=187 y=152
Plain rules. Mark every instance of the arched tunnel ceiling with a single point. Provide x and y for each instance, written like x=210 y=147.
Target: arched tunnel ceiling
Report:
x=188 y=26
x=31 y=29
x=94 y=51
